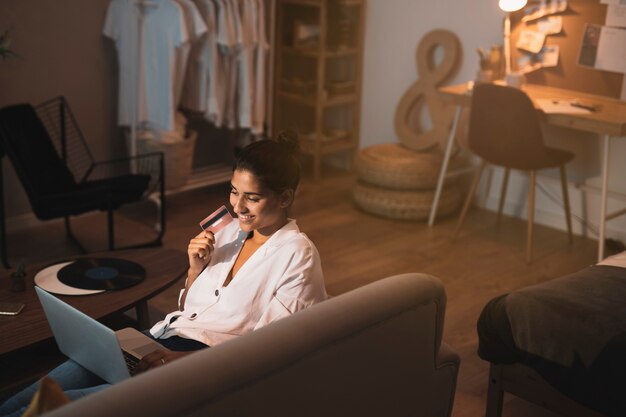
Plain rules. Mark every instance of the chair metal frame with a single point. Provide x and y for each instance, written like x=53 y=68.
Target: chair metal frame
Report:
x=71 y=146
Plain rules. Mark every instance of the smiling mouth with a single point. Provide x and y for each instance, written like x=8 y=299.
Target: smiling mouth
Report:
x=244 y=217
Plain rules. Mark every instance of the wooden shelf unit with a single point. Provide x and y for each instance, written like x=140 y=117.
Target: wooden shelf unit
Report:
x=318 y=73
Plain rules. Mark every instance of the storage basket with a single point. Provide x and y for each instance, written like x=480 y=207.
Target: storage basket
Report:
x=178 y=157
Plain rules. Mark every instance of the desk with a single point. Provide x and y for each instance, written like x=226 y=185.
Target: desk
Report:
x=609 y=123
x=163 y=268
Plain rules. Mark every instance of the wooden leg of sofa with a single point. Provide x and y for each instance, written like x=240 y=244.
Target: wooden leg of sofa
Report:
x=495 y=392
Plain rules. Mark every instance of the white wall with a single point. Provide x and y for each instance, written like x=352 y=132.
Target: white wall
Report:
x=392 y=33
x=393 y=30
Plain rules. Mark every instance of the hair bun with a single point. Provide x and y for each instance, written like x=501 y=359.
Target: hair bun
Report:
x=288 y=140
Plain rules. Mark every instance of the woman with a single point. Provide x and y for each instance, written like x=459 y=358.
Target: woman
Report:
x=252 y=272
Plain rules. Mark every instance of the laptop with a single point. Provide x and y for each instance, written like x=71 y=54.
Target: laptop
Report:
x=108 y=354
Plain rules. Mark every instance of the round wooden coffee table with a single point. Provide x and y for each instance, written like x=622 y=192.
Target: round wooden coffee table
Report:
x=163 y=268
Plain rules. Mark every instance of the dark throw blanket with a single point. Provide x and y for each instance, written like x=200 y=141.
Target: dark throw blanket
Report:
x=572 y=330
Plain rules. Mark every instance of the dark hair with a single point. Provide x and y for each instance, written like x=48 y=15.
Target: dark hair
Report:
x=274 y=162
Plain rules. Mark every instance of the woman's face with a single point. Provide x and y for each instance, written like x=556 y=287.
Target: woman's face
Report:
x=258 y=208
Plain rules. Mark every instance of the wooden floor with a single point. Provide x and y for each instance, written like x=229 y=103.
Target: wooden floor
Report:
x=357 y=248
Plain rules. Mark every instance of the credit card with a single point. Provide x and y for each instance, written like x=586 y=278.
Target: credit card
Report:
x=217 y=220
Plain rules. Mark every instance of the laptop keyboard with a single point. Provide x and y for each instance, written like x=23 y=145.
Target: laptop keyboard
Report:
x=131 y=362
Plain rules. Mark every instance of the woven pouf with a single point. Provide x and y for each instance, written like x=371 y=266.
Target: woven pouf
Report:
x=403 y=204
x=395 y=166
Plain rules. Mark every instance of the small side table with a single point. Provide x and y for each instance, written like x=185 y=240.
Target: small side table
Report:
x=29 y=330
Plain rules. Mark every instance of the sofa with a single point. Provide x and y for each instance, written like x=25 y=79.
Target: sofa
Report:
x=373 y=351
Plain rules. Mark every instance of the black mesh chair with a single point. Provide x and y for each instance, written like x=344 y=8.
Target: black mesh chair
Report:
x=60 y=176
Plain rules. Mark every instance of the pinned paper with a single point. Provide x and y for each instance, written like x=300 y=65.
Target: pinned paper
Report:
x=544 y=9
x=551 y=25
x=531 y=41
x=616 y=15
x=603 y=48
x=547 y=57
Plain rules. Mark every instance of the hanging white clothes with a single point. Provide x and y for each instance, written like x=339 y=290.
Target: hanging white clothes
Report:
x=227 y=34
x=245 y=63
x=232 y=72
x=214 y=67
x=260 y=66
x=146 y=39
x=196 y=29
x=204 y=55
x=228 y=41
x=244 y=100
x=198 y=91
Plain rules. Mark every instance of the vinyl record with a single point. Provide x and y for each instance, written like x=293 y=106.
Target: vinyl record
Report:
x=101 y=274
x=48 y=280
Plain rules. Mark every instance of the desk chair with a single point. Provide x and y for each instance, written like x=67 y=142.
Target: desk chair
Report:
x=61 y=178
x=504 y=130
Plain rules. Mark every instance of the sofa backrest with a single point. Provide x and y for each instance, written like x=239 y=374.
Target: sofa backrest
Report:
x=374 y=351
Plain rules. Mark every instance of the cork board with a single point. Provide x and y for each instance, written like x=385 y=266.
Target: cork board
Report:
x=568 y=74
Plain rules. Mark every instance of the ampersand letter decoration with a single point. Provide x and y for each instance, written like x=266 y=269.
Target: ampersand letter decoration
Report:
x=422 y=94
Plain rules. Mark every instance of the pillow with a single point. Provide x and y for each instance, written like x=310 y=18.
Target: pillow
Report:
x=48 y=397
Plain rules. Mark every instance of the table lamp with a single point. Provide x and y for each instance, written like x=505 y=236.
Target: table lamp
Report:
x=509 y=6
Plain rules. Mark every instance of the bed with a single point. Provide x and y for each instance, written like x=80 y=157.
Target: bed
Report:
x=560 y=344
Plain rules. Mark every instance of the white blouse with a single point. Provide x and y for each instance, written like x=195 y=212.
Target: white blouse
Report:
x=281 y=277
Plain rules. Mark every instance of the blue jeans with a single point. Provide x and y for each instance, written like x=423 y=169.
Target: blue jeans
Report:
x=78 y=382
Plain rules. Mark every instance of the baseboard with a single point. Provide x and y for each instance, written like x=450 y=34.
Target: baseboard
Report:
x=554 y=220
